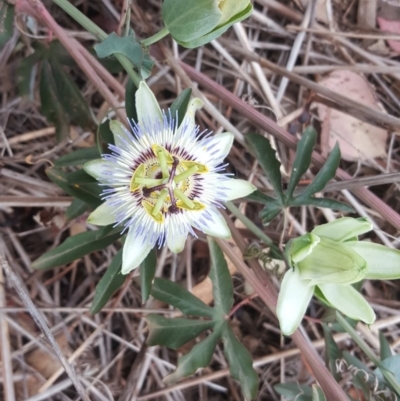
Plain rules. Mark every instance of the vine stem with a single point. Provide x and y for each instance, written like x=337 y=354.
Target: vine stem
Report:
x=156 y=37
x=267 y=292
x=91 y=27
x=251 y=226
x=368 y=351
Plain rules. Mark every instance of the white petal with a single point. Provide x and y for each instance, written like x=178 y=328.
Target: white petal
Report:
x=176 y=241
x=349 y=301
x=102 y=215
x=216 y=148
x=188 y=122
x=147 y=107
x=99 y=169
x=237 y=189
x=343 y=229
x=211 y=222
x=382 y=263
x=294 y=296
x=136 y=248
x=122 y=136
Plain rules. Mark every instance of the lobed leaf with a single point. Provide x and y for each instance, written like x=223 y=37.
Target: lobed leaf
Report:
x=385 y=350
x=6 y=22
x=240 y=364
x=174 y=333
x=109 y=283
x=69 y=96
x=50 y=105
x=78 y=157
x=221 y=279
x=179 y=106
x=89 y=193
x=292 y=391
x=303 y=159
x=75 y=247
x=303 y=200
x=265 y=155
x=26 y=72
x=327 y=172
x=76 y=209
x=147 y=273
x=173 y=294
x=270 y=212
x=130 y=103
x=332 y=352
x=80 y=177
x=258 y=196
x=198 y=357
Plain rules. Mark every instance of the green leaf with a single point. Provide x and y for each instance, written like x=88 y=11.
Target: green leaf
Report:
x=70 y=97
x=392 y=365
x=76 y=209
x=50 y=104
x=221 y=279
x=198 y=357
x=57 y=52
x=6 y=22
x=258 y=196
x=78 y=157
x=302 y=200
x=174 y=333
x=104 y=132
x=326 y=173
x=190 y=19
x=130 y=104
x=269 y=213
x=385 y=350
x=303 y=159
x=26 y=72
x=89 y=193
x=127 y=46
x=80 y=177
x=173 y=294
x=147 y=273
x=332 y=352
x=265 y=155
x=240 y=364
x=219 y=30
x=317 y=393
x=109 y=283
x=179 y=106
x=292 y=390
x=147 y=66
x=75 y=247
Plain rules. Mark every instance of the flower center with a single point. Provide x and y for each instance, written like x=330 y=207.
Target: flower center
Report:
x=163 y=184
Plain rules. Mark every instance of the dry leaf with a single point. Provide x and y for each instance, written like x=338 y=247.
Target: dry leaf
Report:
x=389 y=21
x=357 y=139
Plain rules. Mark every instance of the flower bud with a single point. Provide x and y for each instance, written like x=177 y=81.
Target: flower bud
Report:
x=193 y=23
x=327 y=261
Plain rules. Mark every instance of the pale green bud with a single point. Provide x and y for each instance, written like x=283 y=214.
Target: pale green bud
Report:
x=321 y=260
x=193 y=23
x=325 y=262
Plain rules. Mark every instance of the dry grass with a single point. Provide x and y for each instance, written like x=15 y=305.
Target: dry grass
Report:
x=270 y=64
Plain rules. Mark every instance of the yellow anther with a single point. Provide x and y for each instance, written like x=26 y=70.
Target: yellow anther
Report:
x=201 y=168
x=139 y=172
x=148 y=207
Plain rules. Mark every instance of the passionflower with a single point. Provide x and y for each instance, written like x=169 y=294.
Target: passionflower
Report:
x=325 y=263
x=161 y=180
